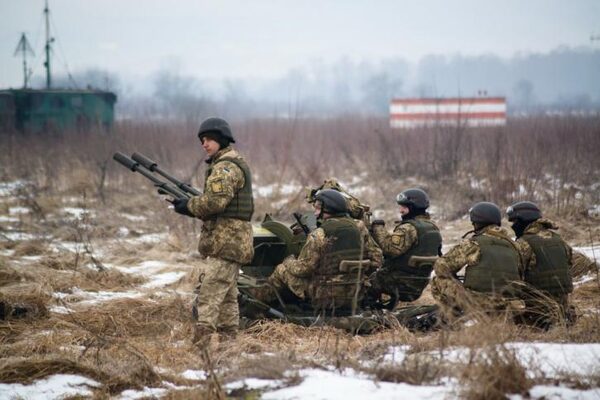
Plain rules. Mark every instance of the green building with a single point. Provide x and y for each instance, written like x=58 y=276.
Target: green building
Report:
x=30 y=110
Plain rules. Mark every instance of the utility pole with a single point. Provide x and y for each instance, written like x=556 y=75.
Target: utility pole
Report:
x=49 y=40
x=24 y=48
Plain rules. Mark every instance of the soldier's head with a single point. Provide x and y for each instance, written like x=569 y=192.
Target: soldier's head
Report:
x=330 y=203
x=412 y=202
x=521 y=214
x=215 y=134
x=485 y=213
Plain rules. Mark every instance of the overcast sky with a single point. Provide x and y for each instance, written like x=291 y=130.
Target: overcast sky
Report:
x=224 y=39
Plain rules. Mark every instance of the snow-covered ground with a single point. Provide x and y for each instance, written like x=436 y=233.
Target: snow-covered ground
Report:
x=550 y=360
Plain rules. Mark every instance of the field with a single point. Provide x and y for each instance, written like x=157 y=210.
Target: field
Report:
x=105 y=271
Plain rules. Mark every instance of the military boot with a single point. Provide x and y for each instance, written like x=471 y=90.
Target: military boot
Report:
x=202 y=336
x=227 y=334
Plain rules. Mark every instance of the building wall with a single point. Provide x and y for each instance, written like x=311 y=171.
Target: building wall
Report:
x=475 y=111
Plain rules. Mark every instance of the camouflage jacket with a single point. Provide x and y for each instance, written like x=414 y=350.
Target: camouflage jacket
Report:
x=226 y=238
x=466 y=253
x=542 y=227
x=316 y=243
x=400 y=240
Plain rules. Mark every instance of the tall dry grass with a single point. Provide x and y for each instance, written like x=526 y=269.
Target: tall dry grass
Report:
x=552 y=160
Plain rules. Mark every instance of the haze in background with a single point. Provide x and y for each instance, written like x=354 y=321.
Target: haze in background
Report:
x=317 y=57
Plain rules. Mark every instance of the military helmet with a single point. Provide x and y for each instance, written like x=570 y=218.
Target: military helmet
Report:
x=332 y=201
x=485 y=213
x=216 y=126
x=413 y=197
x=523 y=210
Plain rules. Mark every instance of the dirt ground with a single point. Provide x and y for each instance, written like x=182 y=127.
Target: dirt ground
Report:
x=105 y=293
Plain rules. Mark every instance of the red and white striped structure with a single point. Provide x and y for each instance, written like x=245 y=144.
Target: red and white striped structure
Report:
x=457 y=111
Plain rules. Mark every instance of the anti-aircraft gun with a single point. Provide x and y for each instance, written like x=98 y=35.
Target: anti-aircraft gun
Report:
x=274 y=241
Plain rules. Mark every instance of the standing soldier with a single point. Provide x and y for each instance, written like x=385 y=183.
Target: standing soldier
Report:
x=547 y=260
x=329 y=269
x=492 y=264
x=225 y=207
x=415 y=235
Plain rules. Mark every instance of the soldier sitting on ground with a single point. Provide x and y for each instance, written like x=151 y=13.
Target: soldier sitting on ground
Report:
x=493 y=268
x=330 y=269
x=415 y=235
x=547 y=259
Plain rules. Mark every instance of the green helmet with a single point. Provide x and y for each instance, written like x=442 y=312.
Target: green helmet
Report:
x=333 y=202
x=216 y=126
x=416 y=198
x=485 y=213
x=525 y=211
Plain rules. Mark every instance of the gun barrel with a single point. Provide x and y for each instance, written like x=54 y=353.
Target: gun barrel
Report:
x=136 y=167
x=124 y=160
x=153 y=166
x=145 y=161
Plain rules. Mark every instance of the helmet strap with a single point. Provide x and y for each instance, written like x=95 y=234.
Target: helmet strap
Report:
x=519 y=227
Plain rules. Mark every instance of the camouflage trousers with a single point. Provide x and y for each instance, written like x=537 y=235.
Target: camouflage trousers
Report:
x=284 y=277
x=216 y=302
x=453 y=297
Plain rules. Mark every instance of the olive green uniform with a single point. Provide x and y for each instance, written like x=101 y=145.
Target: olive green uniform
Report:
x=308 y=275
x=418 y=236
x=226 y=208
x=492 y=262
x=548 y=260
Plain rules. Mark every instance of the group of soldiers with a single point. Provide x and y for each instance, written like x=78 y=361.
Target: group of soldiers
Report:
x=345 y=263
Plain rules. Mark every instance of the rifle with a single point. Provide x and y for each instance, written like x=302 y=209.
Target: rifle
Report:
x=298 y=218
x=147 y=167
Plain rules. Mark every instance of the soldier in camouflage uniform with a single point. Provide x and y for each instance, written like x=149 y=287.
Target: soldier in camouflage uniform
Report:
x=493 y=268
x=547 y=259
x=415 y=235
x=320 y=274
x=225 y=207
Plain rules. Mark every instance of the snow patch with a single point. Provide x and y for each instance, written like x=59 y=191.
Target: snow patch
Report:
x=164 y=279
x=551 y=359
x=558 y=393
x=77 y=212
x=142 y=394
x=349 y=385
x=591 y=252
x=145 y=268
x=194 y=374
x=149 y=238
x=20 y=236
x=53 y=387
x=94 y=297
x=60 y=309
x=254 y=383
x=8 y=188
x=18 y=210
x=134 y=218
x=396 y=354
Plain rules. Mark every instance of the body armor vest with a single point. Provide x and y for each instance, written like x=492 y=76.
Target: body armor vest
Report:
x=498 y=266
x=332 y=287
x=242 y=204
x=411 y=281
x=551 y=273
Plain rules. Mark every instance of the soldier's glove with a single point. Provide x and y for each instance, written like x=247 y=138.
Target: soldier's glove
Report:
x=180 y=206
x=378 y=222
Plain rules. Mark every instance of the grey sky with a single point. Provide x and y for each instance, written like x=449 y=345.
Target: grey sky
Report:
x=265 y=38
